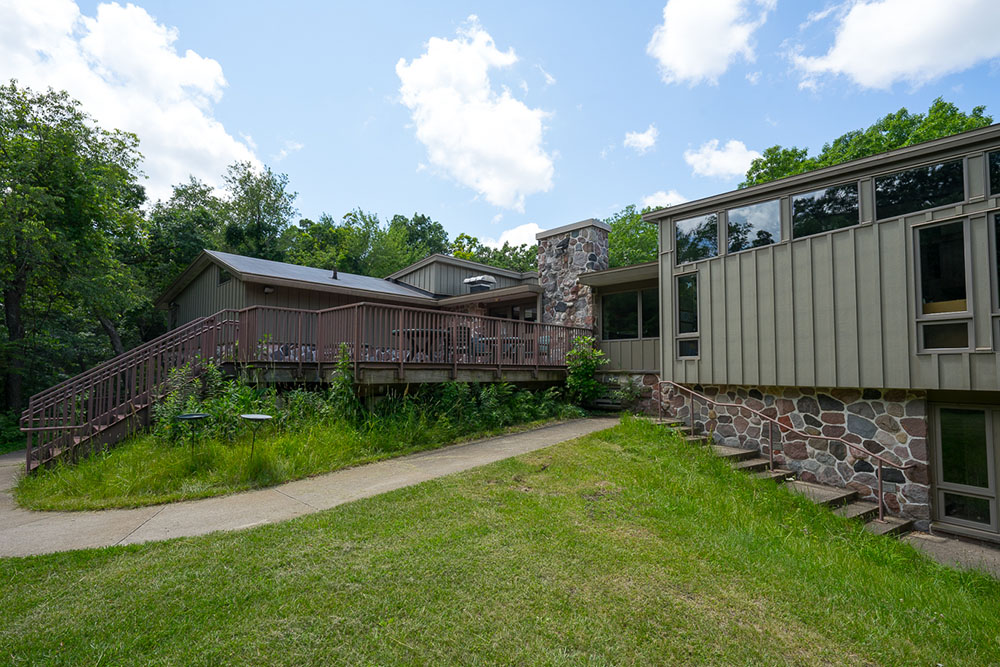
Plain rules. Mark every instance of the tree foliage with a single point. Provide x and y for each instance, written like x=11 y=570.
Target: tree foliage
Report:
x=631 y=240
x=259 y=209
x=522 y=257
x=69 y=198
x=894 y=130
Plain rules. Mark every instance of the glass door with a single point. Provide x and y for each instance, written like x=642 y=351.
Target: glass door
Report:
x=967 y=466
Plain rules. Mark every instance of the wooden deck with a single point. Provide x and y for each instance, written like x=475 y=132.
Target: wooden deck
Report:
x=384 y=344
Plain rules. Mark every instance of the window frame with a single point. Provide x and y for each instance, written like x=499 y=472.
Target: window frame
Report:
x=965 y=188
x=961 y=316
x=941 y=487
x=791 y=208
x=725 y=227
x=638 y=311
x=720 y=241
x=695 y=335
x=989 y=184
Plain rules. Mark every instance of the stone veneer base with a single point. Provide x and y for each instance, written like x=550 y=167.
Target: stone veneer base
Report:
x=889 y=422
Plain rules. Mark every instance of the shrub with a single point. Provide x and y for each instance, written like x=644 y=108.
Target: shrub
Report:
x=582 y=363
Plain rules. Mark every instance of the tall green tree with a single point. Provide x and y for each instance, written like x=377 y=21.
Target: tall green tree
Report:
x=894 y=130
x=631 y=240
x=68 y=189
x=522 y=257
x=259 y=208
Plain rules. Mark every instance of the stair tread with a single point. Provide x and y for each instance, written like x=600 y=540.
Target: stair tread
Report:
x=856 y=509
x=822 y=495
x=726 y=452
x=752 y=463
x=776 y=475
x=891 y=526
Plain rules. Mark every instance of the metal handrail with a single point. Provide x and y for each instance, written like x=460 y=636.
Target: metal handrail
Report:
x=770 y=436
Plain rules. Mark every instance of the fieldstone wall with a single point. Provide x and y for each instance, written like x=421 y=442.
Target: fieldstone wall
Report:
x=563 y=255
x=889 y=422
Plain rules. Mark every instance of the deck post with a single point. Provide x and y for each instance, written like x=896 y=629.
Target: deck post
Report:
x=399 y=338
x=454 y=348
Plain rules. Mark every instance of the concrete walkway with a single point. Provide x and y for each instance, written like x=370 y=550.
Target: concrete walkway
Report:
x=25 y=533
x=963 y=554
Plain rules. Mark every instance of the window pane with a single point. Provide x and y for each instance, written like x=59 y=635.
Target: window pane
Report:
x=995 y=173
x=967 y=508
x=825 y=210
x=687 y=348
x=650 y=313
x=919 y=189
x=697 y=238
x=942 y=268
x=687 y=304
x=946 y=336
x=996 y=241
x=754 y=226
x=620 y=314
x=963 y=447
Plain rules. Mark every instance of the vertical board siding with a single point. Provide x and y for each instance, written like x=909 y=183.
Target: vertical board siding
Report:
x=837 y=309
x=632 y=355
x=205 y=296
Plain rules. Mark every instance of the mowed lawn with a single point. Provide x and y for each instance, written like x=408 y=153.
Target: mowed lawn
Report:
x=625 y=546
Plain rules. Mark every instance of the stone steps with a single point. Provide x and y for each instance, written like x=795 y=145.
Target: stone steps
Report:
x=843 y=502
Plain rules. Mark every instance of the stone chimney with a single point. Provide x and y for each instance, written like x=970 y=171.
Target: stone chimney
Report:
x=563 y=254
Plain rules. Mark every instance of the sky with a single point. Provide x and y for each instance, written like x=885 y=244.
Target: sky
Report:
x=496 y=119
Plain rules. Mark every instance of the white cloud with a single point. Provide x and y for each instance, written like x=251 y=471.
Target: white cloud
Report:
x=661 y=198
x=485 y=140
x=699 y=39
x=879 y=43
x=733 y=159
x=496 y=219
x=753 y=77
x=641 y=141
x=549 y=79
x=287 y=149
x=124 y=68
x=515 y=236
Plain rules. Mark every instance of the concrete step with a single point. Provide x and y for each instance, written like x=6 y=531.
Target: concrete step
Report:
x=891 y=526
x=696 y=439
x=733 y=453
x=668 y=423
x=823 y=495
x=858 y=509
x=778 y=475
x=755 y=464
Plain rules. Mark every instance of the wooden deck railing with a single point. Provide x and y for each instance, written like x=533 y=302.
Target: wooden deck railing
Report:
x=89 y=411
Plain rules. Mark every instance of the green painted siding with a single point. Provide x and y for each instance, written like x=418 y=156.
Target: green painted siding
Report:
x=838 y=309
x=205 y=296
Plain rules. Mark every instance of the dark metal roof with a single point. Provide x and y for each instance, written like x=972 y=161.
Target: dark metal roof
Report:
x=252 y=269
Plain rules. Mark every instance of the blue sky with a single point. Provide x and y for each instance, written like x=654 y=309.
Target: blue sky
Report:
x=524 y=115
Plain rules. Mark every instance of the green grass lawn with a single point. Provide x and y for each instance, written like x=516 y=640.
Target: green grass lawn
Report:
x=147 y=471
x=625 y=546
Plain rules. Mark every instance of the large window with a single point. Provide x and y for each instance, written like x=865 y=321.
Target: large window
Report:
x=697 y=238
x=650 y=310
x=825 y=210
x=687 y=316
x=919 y=188
x=943 y=288
x=966 y=462
x=994 y=162
x=942 y=269
x=754 y=226
x=630 y=315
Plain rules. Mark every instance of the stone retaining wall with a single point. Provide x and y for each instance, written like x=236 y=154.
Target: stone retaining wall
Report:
x=888 y=422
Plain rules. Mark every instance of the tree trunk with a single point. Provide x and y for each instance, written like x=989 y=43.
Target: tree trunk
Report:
x=109 y=328
x=13 y=296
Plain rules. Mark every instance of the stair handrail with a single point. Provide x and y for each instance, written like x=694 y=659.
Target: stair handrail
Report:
x=179 y=332
x=781 y=425
x=34 y=420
